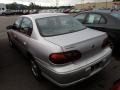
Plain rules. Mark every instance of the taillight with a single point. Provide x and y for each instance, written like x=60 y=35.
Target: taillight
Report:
x=65 y=57
x=106 y=43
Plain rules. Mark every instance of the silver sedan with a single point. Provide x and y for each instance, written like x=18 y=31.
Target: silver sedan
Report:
x=59 y=47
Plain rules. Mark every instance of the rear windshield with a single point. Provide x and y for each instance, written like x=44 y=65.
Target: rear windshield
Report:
x=58 y=25
x=116 y=15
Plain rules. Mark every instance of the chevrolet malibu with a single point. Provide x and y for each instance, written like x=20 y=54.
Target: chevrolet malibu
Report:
x=59 y=47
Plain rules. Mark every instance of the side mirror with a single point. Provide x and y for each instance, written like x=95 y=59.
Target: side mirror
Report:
x=11 y=27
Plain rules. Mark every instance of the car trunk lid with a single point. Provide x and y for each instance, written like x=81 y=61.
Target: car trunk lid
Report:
x=84 y=41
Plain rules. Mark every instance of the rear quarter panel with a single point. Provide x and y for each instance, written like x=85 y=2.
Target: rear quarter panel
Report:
x=39 y=47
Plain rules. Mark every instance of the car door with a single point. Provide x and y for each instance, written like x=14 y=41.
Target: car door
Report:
x=16 y=30
x=95 y=21
x=24 y=34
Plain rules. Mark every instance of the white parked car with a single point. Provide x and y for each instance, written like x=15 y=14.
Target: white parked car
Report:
x=60 y=47
x=2 y=8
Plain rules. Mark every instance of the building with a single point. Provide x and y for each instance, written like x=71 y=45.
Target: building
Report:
x=2 y=8
x=100 y=5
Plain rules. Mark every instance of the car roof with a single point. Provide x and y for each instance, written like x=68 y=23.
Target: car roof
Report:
x=98 y=11
x=87 y=12
x=102 y=11
x=43 y=15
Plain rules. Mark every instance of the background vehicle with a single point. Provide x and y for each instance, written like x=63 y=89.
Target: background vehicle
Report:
x=8 y=12
x=60 y=47
x=116 y=85
x=2 y=8
x=49 y=11
x=103 y=20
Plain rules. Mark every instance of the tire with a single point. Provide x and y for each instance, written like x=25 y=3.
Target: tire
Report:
x=35 y=70
x=10 y=42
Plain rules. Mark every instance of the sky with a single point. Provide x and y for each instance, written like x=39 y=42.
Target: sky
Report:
x=51 y=2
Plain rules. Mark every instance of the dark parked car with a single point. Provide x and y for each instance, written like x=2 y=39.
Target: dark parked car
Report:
x=106 y=21
x=116 y=85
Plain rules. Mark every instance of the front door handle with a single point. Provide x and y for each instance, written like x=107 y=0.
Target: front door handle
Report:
x=15 y=36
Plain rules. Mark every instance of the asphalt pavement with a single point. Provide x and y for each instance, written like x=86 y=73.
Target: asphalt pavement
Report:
x=15 y=71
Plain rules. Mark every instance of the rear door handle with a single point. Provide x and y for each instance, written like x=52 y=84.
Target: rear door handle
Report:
x=24 y=43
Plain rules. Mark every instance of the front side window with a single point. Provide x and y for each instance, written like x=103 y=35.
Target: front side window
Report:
x=26 y=26
x=116 y=15
x=58 y=25
x=95 y=19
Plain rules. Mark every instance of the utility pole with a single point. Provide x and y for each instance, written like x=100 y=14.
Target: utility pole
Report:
x=106 y=4
x=95 y=4
x=83 y=3
x=57 y=3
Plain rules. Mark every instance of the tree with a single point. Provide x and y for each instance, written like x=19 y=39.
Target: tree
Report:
x=12 y=6
x=15 y=6
x=115 y=0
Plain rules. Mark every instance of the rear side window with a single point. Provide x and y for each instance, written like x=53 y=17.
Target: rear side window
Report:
x=81 y=17
x=95 y=19
x=26 y=26
x=18 y=22
x=102 y=21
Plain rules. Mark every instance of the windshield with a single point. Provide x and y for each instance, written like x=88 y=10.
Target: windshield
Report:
x=116 y=15
x=58 y=25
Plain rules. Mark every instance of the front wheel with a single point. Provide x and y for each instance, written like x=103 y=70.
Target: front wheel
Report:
x=10 y=42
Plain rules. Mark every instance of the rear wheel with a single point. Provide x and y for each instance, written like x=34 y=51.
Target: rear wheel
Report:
x=35 y=70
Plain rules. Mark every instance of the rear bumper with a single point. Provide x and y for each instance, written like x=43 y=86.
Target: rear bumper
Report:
x=64 y=79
